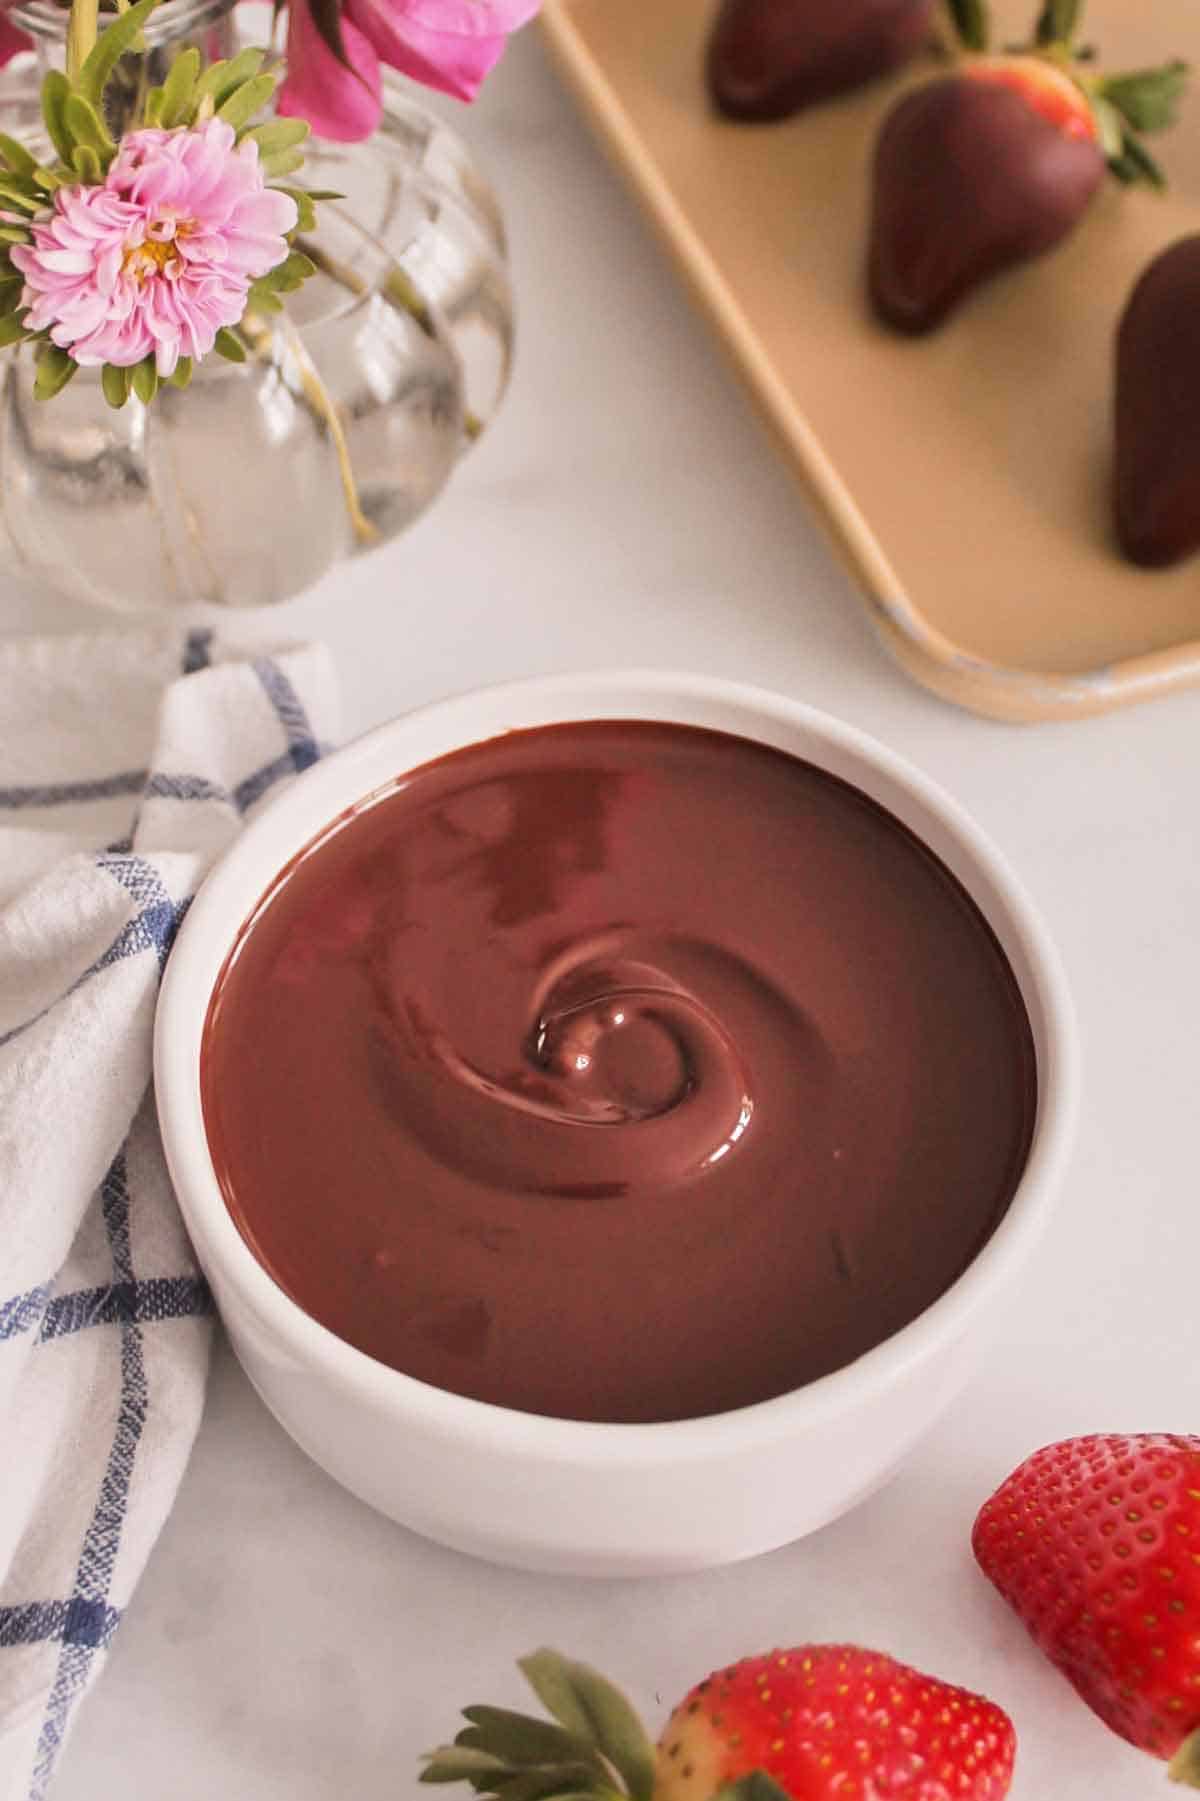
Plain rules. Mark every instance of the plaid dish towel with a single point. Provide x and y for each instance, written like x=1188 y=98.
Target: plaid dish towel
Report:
x=127 y=762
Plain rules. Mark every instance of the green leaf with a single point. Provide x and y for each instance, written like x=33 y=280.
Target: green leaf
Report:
x=247 y=100
x=281 y=162
x=260 y=299
x=589 y=1706
x=220 y=79
x=15 y=156
x=47 y=179
x=1147 y=99
x=110 y=47
x=1111 y=128
x=554 y=1780
x=12 y=330
x=1136 y=166
x=182 y=373
x=86 y=126
x=277 y=134
x=971 y=22
x=13 y=234
x=54 y=370
x=179 y=89
x=458 y=1763
x=10 y=195
x=519 y=1738
x=757 y=1786
x=11 y=289
x=228 y=346
x=87 y=165
x=56 y=90
x=145 y=380
x=116 y=384
x=291 y=273
x=306 y=212
x=1058 y=21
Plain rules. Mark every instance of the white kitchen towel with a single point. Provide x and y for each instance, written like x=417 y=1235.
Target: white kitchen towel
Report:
x=127 y=762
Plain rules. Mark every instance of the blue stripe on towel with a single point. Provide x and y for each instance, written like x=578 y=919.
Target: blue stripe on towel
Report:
x=103 y=1536
x=74 y=1622
x=197 y=650
x=148 y=1302
x=303 y=749
x=65 y=794
x=23 y=1311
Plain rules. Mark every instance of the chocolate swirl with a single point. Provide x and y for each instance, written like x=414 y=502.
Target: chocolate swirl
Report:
x=617 y=1071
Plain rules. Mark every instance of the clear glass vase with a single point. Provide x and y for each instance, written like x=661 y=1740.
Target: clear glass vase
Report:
x=387 y=364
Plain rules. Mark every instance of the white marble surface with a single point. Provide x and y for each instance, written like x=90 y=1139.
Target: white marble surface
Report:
x=287 y=1644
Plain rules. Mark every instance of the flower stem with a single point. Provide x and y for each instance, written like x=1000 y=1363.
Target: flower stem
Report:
x=81 y=35
x=258 y=336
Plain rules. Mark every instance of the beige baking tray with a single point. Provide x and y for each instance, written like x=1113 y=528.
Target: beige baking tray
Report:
x=963 y=477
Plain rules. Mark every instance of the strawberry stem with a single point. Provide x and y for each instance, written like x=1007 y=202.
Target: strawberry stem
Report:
x=1185 y=1765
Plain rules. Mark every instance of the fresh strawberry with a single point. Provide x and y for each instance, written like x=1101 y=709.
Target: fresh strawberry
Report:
x=1096 y=1544
x=995 y=163
x=768 y=58
x=816 y=1723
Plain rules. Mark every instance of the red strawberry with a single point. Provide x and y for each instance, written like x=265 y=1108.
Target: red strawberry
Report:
x=996 y=163
x=768 y=58
x=1096 y=1544
x=816 y=1723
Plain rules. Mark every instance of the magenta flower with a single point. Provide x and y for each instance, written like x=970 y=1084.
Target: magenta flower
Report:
x=445 y=44
x=161 y=257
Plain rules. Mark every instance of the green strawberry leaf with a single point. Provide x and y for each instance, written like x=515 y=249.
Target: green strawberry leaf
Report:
x=12 y=330
x=522 y=1740
x=182 y=373
x=1058 y=22
x=116 y=384
x=1147 y=99
x=757 y=1786
x=54 y=370
x=971 y=23
x=110 y=47
x=458 y=1763
x=589 y=1706
x=1135 y=165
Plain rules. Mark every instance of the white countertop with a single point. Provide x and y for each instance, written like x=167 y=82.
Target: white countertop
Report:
x=289 y=1645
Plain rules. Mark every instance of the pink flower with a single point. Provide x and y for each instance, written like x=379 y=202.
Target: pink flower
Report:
x=161 y=256
x=446 y=44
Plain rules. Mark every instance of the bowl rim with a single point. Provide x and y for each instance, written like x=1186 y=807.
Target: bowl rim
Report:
x=302 y=812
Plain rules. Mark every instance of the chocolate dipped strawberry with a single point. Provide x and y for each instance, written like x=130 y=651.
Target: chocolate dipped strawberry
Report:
x=769 y=58
x=1156 y=487
x=995 y=163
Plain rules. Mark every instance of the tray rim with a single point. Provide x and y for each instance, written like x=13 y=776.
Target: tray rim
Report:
x=995 y=690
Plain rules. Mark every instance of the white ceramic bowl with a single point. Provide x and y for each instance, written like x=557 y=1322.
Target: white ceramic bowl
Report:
x=561 y=1494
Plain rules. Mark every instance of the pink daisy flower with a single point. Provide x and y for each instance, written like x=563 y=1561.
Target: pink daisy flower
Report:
x=160 y=257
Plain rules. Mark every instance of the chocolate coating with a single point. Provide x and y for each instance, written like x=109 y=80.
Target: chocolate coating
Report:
x=1157 y=472
x=968 y=180
x=768 y=58
x=617 y=1071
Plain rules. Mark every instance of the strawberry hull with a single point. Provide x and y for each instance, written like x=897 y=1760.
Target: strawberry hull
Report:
x=969 y=180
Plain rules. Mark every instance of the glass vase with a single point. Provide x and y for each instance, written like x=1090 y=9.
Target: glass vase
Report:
x=346 y=419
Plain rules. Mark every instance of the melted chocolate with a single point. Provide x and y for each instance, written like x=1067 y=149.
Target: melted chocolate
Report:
x=617 y=1071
